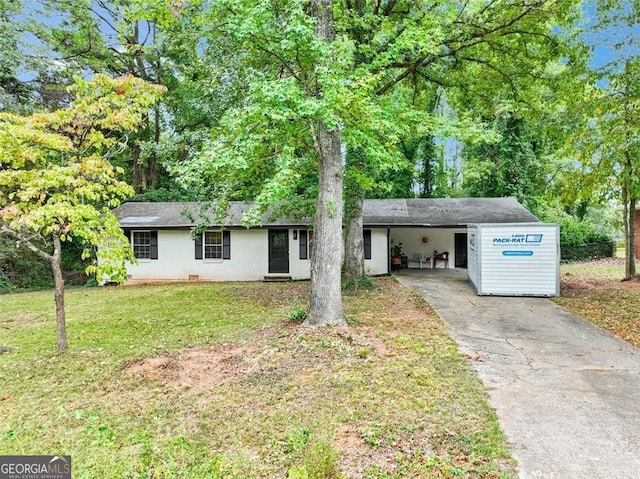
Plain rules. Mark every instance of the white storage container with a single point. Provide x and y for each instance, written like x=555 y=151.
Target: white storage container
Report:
x=514 y=259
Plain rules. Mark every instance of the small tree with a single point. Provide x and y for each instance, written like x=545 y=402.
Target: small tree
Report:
x=56 y=181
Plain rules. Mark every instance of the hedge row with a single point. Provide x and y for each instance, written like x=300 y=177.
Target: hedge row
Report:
x=582 y=252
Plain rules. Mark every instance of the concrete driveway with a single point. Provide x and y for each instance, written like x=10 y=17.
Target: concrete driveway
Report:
x=567 y=394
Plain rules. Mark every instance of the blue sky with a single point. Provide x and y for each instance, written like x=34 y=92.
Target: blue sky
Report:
x=617 y=40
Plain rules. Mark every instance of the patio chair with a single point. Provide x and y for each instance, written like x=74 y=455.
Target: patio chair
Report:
x=418 y=261
x=443 y=257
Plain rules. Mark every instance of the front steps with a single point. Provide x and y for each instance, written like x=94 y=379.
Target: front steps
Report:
x=276 y=278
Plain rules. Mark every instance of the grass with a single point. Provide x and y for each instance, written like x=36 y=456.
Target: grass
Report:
x=213 y=381
x=595 y=291
x=599 y=271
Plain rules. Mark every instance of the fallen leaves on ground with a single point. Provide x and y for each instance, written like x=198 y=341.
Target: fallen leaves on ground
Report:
x=595 y=291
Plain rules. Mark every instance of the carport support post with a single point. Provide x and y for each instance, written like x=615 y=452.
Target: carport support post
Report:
x=388 y=250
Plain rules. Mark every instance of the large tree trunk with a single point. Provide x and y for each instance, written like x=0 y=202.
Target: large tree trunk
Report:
x=629 y=187
x=353 y=204
x=630 y=239
x=629 y=201
x=354 y=242
x=326 y=260
x=152 y=163
x=59 y=294
x=354 y=201
x=137 y=168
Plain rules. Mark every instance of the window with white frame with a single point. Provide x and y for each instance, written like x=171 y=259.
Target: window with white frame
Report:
x=213 y=245
x=145 y=244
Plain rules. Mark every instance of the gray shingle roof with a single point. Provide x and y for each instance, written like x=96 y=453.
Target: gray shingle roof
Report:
x=445 y=211
x=392 y=212
x=183 y=215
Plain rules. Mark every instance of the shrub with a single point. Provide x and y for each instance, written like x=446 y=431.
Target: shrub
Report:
x=582 y=252
x=5 y=285
x=321 y=462
x=351 y=284
x=575 y=232
x=581 y=239
x=24 y=270
x=297 y=313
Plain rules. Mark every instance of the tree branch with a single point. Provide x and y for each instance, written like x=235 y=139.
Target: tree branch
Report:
x=389 y=7
x=479 y=34
x=22 y=240
x=104 y=19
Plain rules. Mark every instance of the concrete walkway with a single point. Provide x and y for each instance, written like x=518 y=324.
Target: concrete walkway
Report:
x=566 y=393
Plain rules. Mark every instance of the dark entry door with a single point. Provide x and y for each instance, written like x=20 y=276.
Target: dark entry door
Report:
x=460 y=240
x=278 y=251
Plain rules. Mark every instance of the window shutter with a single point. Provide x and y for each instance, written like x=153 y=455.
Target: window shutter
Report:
x=366 y=236
x=303 y=244
x=154 y=244
x=226 y=244
x=130 y=237
x=198 y=246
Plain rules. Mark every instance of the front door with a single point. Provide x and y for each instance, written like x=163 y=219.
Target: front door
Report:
x=278 y=251
x=460 y=240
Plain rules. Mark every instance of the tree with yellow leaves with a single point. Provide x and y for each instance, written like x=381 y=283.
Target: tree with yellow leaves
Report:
x=56 y=180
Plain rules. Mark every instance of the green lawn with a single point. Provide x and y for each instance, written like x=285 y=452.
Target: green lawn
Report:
x=213 y=381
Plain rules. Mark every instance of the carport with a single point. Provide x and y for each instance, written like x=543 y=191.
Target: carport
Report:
x=423 y=226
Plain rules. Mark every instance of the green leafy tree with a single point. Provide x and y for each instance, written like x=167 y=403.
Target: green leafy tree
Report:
x=493 y=55
x=56 y=181
x=11 y=89
x=514 y=165
x=286 y=129
x=117 y=38
x=105 y=36
x=430 y=174
x=325 y=78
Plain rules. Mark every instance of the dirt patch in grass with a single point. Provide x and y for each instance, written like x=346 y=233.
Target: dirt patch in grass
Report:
x=193 y=369
x=200 y=369
x=301 y=364
x=594 y=290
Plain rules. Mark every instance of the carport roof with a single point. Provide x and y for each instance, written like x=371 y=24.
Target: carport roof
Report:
x=445 y=212
x=423 y=212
